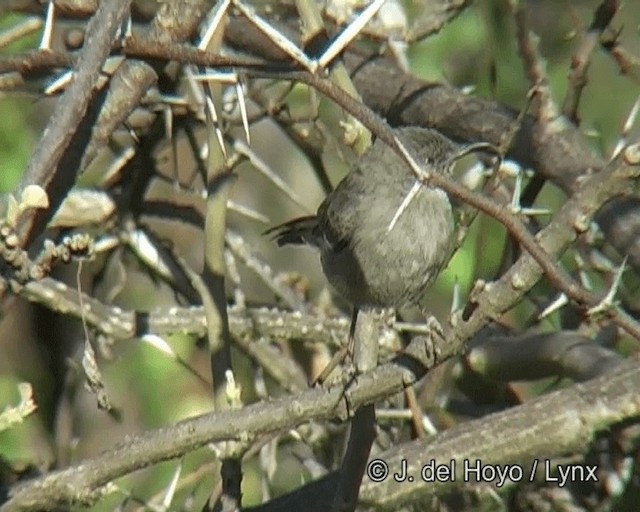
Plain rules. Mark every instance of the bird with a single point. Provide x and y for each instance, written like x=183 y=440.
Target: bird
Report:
x=367 y=263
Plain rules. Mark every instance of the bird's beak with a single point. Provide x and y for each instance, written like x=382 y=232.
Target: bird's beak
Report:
x=474 y=147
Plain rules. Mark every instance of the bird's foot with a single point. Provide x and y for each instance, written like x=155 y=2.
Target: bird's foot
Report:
x=340 y=357
x=432 y=324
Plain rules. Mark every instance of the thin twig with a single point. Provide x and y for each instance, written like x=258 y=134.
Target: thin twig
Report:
x=44 y=166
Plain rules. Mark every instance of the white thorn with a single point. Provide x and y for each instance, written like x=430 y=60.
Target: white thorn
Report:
x=557 y=304
x=349 y=33
x=47 y=33
x=404 y=205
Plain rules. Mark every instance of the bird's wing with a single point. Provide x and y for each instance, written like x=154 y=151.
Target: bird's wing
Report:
x=339 y=214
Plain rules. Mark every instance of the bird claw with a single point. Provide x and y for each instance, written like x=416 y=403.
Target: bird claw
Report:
x=432 y=325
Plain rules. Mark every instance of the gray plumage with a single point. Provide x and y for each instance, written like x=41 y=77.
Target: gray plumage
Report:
x=367 y=264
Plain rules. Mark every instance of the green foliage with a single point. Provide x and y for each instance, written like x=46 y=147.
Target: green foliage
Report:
x=16 y=140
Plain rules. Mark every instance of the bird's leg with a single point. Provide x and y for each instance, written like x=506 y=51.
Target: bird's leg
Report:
x=368 y=325
x=352 y=332
x=342 y=354
x=432 y=324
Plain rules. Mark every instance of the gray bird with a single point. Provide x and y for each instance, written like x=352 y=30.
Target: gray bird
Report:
x=370 y=266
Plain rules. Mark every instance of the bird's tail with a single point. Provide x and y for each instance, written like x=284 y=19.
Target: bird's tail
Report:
x=303 y=230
